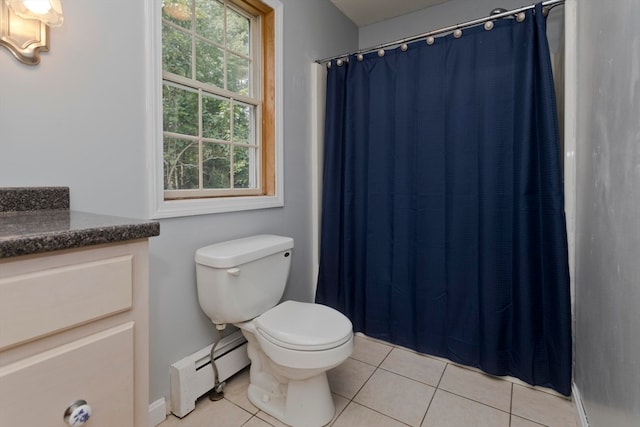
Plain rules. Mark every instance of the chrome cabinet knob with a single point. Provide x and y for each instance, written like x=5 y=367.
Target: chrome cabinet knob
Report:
x=78 y=413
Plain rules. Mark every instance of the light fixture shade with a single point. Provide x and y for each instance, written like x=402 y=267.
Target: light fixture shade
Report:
x=48 y=12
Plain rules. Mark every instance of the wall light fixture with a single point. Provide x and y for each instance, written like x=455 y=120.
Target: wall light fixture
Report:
x=24 y=27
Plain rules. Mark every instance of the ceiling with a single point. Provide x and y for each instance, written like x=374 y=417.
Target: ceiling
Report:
x=365 y=12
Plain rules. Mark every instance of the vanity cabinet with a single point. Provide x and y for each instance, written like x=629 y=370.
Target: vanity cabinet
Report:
x=74 y=327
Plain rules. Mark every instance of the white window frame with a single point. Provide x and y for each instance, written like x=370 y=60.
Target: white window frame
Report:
x=158 y=207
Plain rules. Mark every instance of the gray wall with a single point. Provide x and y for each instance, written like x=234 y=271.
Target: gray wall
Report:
x=608 y=213
x=78 y=120
x=443 y=15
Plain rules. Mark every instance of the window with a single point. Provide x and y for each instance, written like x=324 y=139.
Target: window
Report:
x=217 y=147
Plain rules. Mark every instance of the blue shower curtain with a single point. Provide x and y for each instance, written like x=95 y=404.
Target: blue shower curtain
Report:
x=443 y=225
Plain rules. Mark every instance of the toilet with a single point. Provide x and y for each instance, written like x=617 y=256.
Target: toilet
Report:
x=291 y=344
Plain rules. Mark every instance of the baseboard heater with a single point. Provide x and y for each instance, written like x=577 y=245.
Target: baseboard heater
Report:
x=192 y=377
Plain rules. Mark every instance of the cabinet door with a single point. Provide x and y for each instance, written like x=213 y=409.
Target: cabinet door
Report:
x=35 y=392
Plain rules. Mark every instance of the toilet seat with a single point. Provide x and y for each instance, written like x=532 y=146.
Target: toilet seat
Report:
x=304 y=326
x=302 y=335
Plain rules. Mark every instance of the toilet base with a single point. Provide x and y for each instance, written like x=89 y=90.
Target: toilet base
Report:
x=303 y=403
x=297 y=396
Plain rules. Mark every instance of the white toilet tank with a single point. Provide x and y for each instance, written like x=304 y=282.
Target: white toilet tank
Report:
x=239 y=280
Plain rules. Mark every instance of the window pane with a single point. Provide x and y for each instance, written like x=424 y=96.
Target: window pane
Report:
x=242 y=123
x=180 y=164
x=243 y=167
x=209 y=136
x=178 y=12
x=237 y=32
x=238 y=74
x=180 y=110
x=216 y=166
x=215 y=118
x=210 y=20
x=209 y=64
x=176 y=51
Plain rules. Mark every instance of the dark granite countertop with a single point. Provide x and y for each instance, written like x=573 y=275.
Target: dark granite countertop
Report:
x=24 y=232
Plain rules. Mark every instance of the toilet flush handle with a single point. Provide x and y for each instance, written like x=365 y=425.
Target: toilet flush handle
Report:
x=233 y=271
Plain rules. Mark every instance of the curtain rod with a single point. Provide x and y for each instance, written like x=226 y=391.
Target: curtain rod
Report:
x=549 y=4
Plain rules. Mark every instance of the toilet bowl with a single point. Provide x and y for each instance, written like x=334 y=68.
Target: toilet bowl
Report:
x=289 y=361
x=291 y=345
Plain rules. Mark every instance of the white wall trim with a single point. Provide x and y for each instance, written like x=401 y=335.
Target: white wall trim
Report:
x=570 y=146
x=570 y=173
x=578 y=405
x=157 y=207
x=153 y=38
x=318 y=101
x=157 y=412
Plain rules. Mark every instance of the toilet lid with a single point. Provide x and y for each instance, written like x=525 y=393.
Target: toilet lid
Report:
x=304 y=326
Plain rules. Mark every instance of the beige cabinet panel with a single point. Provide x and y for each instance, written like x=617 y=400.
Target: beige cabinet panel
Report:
x=54 y=299
x=35 y=392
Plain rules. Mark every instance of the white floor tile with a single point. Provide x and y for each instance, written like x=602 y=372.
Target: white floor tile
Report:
x=543 y=408
x=450 y=410
x=413 y=365
x=401 y=398
x=369 y=351
x=256 y=422
x=236 y=391
x=476 y=386
x=358 y=416
x=222 y=413
x=341 y=403
x=349 y=377
x=521 y=422
x=269 y=419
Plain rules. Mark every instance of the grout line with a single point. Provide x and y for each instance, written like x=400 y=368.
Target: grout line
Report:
x=433 y=396
x=473 y=400
x=337 y=415
x=386 y=356
x=256 y=416
x=381 y=413
x=537 y=423
x=442 y=375
x=511 y=406
x=409 y=378
x=364 y=383
x=350 y=400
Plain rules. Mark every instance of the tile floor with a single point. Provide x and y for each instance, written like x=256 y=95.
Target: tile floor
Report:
x=381 y=385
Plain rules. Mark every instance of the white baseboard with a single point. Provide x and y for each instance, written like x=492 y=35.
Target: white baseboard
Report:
x=157 y=412
x=579 y=406
x=192 y=376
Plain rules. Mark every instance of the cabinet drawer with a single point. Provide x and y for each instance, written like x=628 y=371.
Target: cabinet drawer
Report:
x=36 y=391
x=43 y=302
